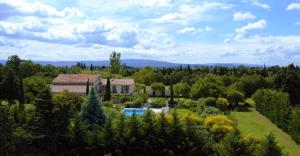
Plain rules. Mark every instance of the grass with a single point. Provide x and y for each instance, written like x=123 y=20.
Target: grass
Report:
x=254 y=123
x=182 y=113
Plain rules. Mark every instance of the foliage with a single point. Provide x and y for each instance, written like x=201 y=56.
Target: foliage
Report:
x=33 y=86
x=107 y=94
x=222 y=103
x=234 y=97
x=115 y=62
x=288 y=80
x=249 y=84
x=158 y=103
x=275 y=105
x=145 y=76
x=294 y=126
x=219 y=125
x=158 y=87
x=211 y=110
x=72 y=100
x=182 y=89
x=92 y=113
x=209 y=86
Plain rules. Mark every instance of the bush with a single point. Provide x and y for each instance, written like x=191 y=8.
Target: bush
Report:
x=122 y=98
x=219 y=125
x=222 y=103
x=158 y=103
x=210 y=101
x=135 y=104
x=142 y=97
x=294 y=126
x=212 y=110
x=107 y=103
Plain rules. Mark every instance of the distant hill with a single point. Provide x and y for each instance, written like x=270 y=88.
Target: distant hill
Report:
x=138 y=63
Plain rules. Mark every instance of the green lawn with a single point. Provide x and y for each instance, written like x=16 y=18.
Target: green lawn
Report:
x=254 y=123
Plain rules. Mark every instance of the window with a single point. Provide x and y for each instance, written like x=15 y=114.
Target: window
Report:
x=114 y=89
x=125 y=89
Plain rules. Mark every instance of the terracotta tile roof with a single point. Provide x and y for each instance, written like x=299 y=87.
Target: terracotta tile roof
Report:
x=75 y=79
x=118 y=81
x=81 y=89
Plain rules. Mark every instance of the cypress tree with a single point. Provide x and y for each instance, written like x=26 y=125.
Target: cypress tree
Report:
x=87 y=87
x=22 y=100
x=171 y=102
x=107 y=95
x=92 y=113
x=10 y=85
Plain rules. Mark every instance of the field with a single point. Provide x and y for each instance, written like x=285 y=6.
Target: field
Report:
x=254 y=123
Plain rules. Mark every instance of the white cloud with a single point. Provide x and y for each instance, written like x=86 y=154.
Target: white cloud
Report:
x=261 y=5
x=188 y=30
x=240 y=16
x=293 y=6
x=39 y=9
x=170 y=18
x=152 y=3
x=187 y=12
x=298 y=23
x=227 y=41
x=193 y=31
x=261 y=24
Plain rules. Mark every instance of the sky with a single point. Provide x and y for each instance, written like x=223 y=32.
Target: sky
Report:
x=181 y=31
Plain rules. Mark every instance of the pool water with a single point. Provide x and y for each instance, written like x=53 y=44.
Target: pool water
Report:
x=130 y=111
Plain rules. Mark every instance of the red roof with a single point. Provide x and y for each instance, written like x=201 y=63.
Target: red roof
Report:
x=118 y=81
x=74 y=79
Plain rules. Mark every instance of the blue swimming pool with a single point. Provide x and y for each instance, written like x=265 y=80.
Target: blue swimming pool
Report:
x=130 y=111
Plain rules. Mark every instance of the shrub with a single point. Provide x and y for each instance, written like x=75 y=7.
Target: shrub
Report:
x=222 y=103
x=134 y=104
x=210 y=101
x=158 y=103
x=107 y=103
x=212 y=110
x=219 y=125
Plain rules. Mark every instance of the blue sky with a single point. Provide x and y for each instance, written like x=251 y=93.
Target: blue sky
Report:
x=185 y=31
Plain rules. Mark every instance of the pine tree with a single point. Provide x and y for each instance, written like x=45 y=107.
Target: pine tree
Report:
x=271 y=147
x=107 y=94
x=92 y=113
x=5 y=132
x=87 y=87
x=108 y=136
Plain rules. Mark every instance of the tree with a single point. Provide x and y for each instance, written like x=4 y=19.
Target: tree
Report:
x=145 y=76
x=209 y=86
x=271 y=147
x=5 y=132
x=273 y=104
x=294 y=126
x=87 y=87
x=182 y=89
x=92 y=113
x=14 y=62
x=250 y=83
x=107 y=94
x=157 y=86
x=33 y=86
x=234 y=97
x=22 y=100
x=171 y=102
x=115 y=62
x=288 y=80
x=10 y=85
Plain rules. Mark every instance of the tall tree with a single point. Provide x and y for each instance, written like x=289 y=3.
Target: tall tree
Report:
x=10 y=85
x=92 y=113
x=87 y=87
x=14 y=62
x=22 y=99
x=107 y=93
x=171 y=102
x=115 y=62
x=5 y=132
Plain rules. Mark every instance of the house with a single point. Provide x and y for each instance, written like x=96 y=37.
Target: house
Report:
x=77 y=83
x=120 y=86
